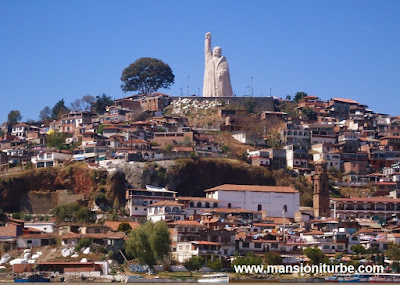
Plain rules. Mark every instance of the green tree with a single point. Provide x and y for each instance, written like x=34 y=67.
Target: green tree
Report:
x=124 y=227
x=100 y=128
x=56 y=139
x=358 y=249
x=311 y=115
x=16 y=216
x=393 y=252
x=102 y=102
x=84 y=215
x=72 y=212
x=147 y=75
x=59 y=109
x=272 y=258
x=215 y=265
x=250 y=258
x=315 y=255
x=76 y=105
x=249 y=104
x=83 y=242
x=194 y=263
x=3 y=215
x=299 y=95
x=14 y=117
x=45 y=114
x=87 y=102
x=149 y=243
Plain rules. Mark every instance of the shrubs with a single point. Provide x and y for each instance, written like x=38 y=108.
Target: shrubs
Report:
x=194 y=263
x=83 y=242
x=215 y=265
x=73 y=212
x=102 y=249
x=124 y=227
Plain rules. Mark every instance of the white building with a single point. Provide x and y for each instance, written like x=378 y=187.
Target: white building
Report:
x=44 y=226
x=48 y=159
x=332 y=159
x=272 y=199
x=296 y=158
x=206 y=249
x=20 y=130
x=165 y=210
x=197 y=205
x=139 y=199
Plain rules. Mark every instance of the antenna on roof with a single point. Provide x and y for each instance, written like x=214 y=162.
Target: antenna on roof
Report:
x=187 y=86
x=252 y=86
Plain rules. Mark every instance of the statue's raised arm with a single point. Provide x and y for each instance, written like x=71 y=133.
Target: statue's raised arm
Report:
x=207 y=49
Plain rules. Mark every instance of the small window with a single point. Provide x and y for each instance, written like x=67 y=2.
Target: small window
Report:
x=229 y=205
x=198 y=204
x=257 y=245
x=246 y=245
x=259 y=207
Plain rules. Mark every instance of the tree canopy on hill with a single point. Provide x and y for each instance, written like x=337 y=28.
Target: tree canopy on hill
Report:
x=147 y=75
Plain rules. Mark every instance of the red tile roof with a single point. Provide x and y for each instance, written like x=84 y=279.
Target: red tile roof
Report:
x=263 y=224
x=185 y=223
x=313 y=232
x=199 y=199
x=390 y=137
x=253 y=188
x=232 y=210
x=349 y=101
x=386 y=183
x=38 y=236
x=211 y=221
x=206 y=243
x=182 y=149
x=113 y=225
x=279 y=221
x=110 y=235
x=165 y=203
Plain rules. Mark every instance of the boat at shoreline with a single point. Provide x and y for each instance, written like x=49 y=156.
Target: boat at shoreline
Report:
x=365 y=278
x=214 y=278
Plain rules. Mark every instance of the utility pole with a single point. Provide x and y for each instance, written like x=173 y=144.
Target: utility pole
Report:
x=252 y=86
x=187 y=86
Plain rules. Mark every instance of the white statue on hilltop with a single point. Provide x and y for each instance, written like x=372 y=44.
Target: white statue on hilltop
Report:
x=217 y=82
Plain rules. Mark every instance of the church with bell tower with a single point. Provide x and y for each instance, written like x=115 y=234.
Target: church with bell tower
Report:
x=321 y=190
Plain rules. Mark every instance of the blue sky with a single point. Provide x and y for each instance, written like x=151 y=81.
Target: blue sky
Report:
x=51 y=50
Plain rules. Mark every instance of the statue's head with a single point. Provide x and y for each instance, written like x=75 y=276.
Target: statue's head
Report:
x=217 y=52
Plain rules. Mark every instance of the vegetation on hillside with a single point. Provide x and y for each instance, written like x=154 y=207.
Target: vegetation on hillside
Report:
x=190 y=177
x=78 y=178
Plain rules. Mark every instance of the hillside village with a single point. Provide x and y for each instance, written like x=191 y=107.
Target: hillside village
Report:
x=333 y=168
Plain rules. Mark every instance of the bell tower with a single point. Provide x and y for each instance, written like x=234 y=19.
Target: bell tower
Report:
x=321 y=190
